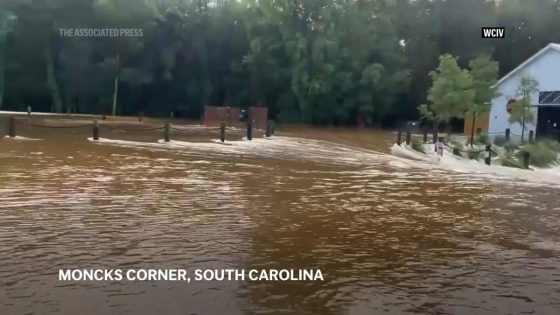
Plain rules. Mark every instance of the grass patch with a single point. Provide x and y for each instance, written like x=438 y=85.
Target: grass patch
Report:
x=551 y=144
x=540 y=154
x=474 y=153
x=509 y=160
x=417 y=146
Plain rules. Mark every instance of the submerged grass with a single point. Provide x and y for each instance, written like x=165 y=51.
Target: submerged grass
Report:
x=541 y=155
x=417 y=146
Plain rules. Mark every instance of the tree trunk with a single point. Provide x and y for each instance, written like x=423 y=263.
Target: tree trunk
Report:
x=2 y=69
x=472 y=128
x=115 y=94
x=52 y=84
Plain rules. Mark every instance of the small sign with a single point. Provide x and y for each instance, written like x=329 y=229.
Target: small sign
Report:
x=493 y=32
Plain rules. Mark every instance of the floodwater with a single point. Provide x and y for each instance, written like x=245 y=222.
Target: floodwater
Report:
x=390 y=235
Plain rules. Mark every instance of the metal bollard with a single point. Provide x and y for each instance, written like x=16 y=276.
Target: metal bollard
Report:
x=425 y=137
x=273 y=127
x=508 y=134
x=28 y=111
x=167 y=132
x=95 y=130
x=526 y=159
x=488 y=159
x=531 y=136
x=223 y=132
x=399 y=137
x=408 y=136
x=12 y=127
x=249 y=131
x=172 y=115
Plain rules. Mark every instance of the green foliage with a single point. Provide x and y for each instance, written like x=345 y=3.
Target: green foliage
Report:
x=451 y=93
x=510 y=160
x=484 y=72
x=521 y=111
x=483 y=138
x=417 y=146
x=511 y=147
x=551 y=144
x=500 y=141
x=319 y=61
x=474 y=153
x=453 y=140
x=540 y=154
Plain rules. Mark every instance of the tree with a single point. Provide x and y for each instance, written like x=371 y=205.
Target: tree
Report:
x=452 y=92
x=6 y=24
x=521 y=111
x=484 y=72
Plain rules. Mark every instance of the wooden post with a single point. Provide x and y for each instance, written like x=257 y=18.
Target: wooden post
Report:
x=12 y=127
x=435 y=139
x=104 y=117
x=140 y=116
x=408 y=135
x=478 y=131
x=95 y=130
x=425 y=139
x=508 y=134
x=223 y=132
x=269 y=129
x=531 y=136
x=249 y=131
x=399 y=137
x=526 y=159
x=167 y=132
x=488 y=159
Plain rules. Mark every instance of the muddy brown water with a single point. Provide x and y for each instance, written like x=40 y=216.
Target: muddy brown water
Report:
x=389 y=235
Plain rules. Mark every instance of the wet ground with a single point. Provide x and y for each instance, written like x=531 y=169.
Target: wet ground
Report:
x=390 y=235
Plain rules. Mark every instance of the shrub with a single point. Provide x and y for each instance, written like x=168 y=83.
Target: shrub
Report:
x=500 y=141
x=551 y=144
x=453 y=142
x=474 y=153
x=417 y=146
x=511 y=147
x=509 y=160
x=482 y=138
x=541 y=155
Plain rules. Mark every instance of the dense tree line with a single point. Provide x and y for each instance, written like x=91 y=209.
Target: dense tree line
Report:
x=319 y=61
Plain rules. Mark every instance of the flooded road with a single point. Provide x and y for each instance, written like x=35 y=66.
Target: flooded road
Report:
x=390 y=235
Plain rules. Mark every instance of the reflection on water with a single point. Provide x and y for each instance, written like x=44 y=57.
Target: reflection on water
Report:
x=390 y=235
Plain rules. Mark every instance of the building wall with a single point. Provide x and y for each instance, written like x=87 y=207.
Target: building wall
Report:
x=546 y=70
x=480 y=122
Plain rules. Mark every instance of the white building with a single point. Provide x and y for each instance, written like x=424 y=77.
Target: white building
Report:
x=544 y=67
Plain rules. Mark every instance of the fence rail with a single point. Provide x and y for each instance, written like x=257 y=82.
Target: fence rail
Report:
x=489 y=148
x=167 y=128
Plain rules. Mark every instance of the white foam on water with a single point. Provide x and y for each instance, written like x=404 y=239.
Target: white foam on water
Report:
x=449 y=161
x=21 y=138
